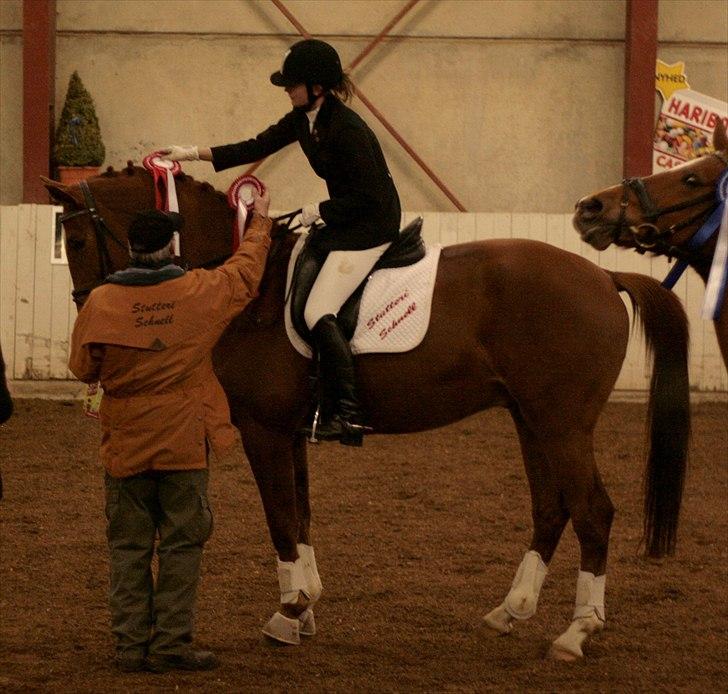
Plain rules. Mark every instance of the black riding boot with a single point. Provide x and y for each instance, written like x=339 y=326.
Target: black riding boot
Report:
x=346 y=425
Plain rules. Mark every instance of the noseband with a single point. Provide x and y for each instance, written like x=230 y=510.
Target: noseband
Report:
x=102 y=232
x=647 y=235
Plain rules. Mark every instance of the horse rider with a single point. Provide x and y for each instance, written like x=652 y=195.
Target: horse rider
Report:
x=147 y=335
x=361 y=216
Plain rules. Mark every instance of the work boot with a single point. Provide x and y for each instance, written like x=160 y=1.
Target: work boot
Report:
x=188 y=659
x=346 y=424
x=130 y=661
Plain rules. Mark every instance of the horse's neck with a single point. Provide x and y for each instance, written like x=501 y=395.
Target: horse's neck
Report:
x=268 y=307
x=208 y=232
x=704 y=259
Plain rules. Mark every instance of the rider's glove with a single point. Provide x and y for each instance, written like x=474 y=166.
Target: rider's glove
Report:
x=177 y=153
x=309 y=214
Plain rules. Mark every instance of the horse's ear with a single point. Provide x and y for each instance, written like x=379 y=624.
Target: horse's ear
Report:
x=720 y=137
x=61 y=192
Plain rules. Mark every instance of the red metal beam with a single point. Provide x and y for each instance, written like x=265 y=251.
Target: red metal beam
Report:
x=639 y=86
x=382 y=34
x=407 y=7
x=39 y=69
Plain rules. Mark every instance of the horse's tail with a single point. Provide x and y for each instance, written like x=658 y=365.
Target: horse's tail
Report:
x=665 y=327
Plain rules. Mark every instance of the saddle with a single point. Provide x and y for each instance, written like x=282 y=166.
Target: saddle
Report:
x=407 y=249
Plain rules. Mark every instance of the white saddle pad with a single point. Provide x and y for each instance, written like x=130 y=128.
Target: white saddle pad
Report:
x=395 y=306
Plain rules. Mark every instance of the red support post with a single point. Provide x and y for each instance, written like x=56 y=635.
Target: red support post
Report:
x=39 y=69
x=639 y=86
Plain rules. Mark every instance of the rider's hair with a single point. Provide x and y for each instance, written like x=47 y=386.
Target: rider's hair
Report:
x=344 y=88
x=154 y=258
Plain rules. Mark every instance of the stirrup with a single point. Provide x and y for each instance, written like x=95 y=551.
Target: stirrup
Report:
x=310 y=431
x=338 y=429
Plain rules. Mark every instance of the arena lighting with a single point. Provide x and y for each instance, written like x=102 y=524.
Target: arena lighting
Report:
x=368 y=49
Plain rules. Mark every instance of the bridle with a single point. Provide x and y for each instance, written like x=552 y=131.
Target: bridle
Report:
x=101 y=232
x=648 y=236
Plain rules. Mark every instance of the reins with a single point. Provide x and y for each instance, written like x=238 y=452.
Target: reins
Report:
x=101 y=232
x=647 y=235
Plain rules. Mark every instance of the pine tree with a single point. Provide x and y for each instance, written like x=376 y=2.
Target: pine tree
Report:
x=78 y=137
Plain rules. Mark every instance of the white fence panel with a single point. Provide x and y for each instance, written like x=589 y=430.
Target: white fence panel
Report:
x=8 y=266
x=37 y=314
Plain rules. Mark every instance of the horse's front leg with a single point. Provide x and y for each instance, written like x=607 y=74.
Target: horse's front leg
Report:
x=278 y=463
x=549 y=518
x=304 y=546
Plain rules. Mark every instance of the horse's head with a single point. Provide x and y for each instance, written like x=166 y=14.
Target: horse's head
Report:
x=97 y=214
x=659 y=213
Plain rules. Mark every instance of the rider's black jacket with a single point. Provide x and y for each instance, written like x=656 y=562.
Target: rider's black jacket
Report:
x=363 y=208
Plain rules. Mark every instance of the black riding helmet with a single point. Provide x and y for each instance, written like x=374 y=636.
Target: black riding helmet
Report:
x=309 y=62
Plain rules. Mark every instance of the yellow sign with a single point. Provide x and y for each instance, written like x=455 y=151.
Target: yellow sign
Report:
x=670 y=78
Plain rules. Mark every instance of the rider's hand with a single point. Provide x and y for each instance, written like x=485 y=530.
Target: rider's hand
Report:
x=261 y=202
x=180 y=153
x=309 y=214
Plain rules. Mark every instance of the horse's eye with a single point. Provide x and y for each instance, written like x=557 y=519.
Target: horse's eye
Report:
x=691 y=180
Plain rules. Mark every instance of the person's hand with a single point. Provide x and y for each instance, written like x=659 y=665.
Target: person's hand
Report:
x=261 y=203
x=309 y=214
x=180 y=153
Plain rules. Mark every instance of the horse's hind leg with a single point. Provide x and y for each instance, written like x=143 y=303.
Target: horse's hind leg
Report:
x=591 y=510
x=549 y=519
x=271 y=455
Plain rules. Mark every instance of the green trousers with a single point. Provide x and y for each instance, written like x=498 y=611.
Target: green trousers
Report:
x=173 y=508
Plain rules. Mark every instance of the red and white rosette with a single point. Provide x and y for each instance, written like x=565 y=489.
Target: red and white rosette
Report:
x=164 y=170
x=240 y=197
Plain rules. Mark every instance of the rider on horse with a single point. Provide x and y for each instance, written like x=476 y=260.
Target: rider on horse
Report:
x=361 y=217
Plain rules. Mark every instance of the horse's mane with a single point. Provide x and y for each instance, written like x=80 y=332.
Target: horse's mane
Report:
x=131 y=170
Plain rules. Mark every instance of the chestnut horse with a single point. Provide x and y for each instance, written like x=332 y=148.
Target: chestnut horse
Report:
x=515 y=323
x=662 y=214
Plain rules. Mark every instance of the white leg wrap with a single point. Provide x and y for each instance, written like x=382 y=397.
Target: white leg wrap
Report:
x=521 y=601
x=590 y=595
x=291 y=580
x=310 y=572
x=589 y=617
x=522 y=598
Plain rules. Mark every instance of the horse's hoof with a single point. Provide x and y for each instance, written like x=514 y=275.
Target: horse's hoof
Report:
x=568 y=646
x=283 y=630
x=499 y=620
x=306 y=623
x=558 y=652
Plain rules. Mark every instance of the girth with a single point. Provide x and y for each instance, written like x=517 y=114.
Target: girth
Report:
x=407 y=249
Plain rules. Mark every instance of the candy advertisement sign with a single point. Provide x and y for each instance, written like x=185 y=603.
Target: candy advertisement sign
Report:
x=685 y=127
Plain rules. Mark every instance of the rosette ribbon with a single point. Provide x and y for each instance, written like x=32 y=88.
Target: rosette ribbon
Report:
x=240 y=198
x=163 y=172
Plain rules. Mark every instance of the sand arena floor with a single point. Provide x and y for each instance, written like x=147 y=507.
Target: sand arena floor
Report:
x=417 y=537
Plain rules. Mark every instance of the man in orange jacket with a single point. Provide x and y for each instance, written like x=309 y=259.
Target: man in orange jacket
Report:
x=147 y=335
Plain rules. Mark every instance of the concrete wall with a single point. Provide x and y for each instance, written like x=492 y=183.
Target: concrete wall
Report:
x=515 y=104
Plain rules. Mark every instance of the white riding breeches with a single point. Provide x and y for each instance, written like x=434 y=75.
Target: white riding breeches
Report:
x=341 y=274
